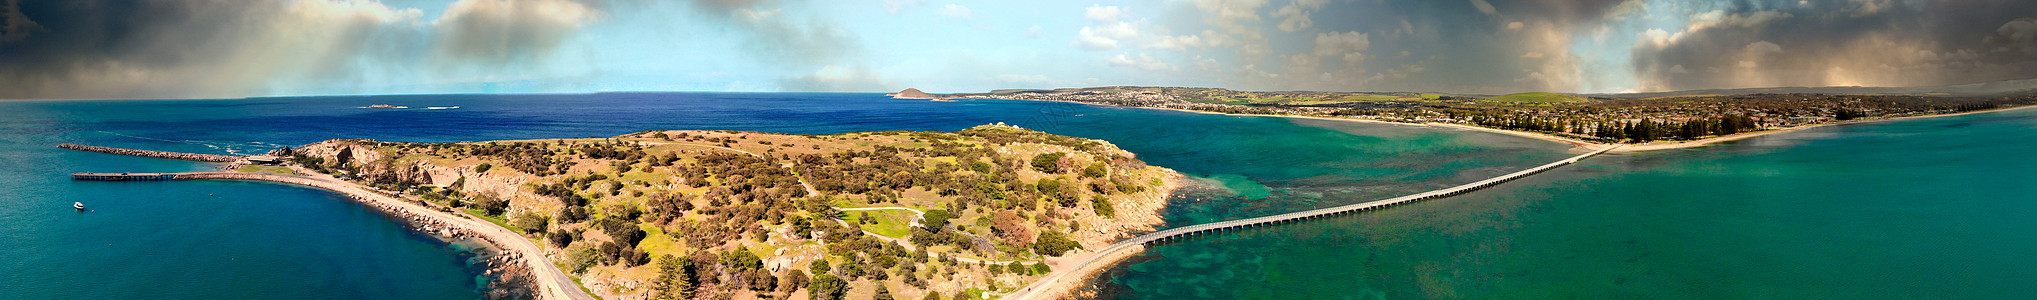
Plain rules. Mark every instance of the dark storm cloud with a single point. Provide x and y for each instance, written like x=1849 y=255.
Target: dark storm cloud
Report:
x=216 y=48
x=1852 y=42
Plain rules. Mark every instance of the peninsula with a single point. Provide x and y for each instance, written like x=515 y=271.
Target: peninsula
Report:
x=1639 y=122
x=973 y=213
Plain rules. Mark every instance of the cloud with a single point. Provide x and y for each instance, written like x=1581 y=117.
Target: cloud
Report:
x=1296 y=14
x=1207 y=39
x=497 y=32
x=14 y=26
x=1485 y=7
x=1348 y=46
x=1516 y=26
x=1101 y=13
x=1107 y=30
x=2020 y=34
x=953 y=11
x=1141 y=61
x=834 y=78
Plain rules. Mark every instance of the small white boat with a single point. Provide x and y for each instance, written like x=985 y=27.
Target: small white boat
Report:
x=78 y=205
x=442 y=107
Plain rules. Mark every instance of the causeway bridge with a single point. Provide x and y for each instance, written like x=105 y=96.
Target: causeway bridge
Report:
x=1033 y=291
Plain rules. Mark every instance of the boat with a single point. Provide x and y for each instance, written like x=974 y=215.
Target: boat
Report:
x=386 y=106
x=79 y=205
x=442 y=107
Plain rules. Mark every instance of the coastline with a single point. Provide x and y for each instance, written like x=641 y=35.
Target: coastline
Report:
x=1063 y=282
x=1581 y=145
x=516 y=264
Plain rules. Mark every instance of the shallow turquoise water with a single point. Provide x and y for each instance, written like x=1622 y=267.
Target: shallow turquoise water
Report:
x=1929 y=208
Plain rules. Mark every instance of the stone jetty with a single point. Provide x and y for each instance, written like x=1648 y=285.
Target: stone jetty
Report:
x=155 y=154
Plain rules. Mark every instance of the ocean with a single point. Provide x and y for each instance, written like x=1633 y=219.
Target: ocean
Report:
x=1911 y=209
x=207 y=240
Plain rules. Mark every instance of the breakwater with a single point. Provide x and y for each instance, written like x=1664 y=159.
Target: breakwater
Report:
x=155 y=154
x=1060 y=283
x=519 y=269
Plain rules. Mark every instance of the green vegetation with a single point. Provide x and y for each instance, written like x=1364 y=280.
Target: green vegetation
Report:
x=267 y=169
x=713 y=206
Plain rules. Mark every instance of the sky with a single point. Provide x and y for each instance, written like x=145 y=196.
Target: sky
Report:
x=86 y=49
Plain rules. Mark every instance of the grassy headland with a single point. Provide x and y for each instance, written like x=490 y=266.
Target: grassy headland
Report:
x=725 y=214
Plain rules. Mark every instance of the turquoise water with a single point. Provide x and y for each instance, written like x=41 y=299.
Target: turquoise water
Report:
x=210 y=240
x=1928 y=208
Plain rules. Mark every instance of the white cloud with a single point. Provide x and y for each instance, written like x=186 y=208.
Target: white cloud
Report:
x=954 y=11
x=1531 y=54
x=1109 y=28
x=1485 y=7
x=1349 y=45
x=1101 y=13
x=1296 y=14
x=1105 y=37
x=1141 y=61
x=1206 y=64
x=1208 y=39
x=1516 y=26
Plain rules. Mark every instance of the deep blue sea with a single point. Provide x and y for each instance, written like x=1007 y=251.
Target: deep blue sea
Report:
x=1931 y=208
x=209 y=240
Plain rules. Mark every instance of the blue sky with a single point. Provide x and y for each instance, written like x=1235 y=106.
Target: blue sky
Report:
x=221 y=49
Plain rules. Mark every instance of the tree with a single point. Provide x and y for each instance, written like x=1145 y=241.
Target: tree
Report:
x=489 y=204
x=883 y=293
x=675 y=278
x=483 y=168
x=793 y=281
x=530 y=222
x=1011 y=227
x=936 y=219
x=819 y=266
x=560 y=238
x=827 y=287
x=1053 y=243
x=1096 y=170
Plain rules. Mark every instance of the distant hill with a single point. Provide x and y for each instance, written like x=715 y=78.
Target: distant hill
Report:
x=912 y=93
x=1537 y=97
x=1976 y=89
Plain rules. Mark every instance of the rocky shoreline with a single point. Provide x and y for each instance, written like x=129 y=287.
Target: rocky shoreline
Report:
x=509 y=279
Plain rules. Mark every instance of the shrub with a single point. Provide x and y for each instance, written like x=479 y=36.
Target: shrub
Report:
x=1048 y=163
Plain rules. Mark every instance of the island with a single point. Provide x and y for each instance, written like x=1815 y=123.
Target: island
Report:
x=680 y=214
x=1635 y=122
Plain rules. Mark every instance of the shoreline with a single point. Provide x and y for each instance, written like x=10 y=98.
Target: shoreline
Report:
x=1576 y=143
x=516 y=262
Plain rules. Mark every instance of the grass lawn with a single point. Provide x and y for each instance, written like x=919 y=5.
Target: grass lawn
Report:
x=267 y=169
x=890 y=222
x=493 y=219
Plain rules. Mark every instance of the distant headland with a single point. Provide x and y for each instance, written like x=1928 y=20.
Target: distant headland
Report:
x=1640 y=122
